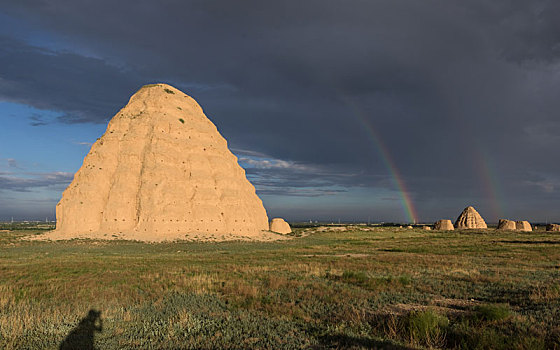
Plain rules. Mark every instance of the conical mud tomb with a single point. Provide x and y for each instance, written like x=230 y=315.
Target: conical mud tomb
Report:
x=161 y=171
x=470 y=219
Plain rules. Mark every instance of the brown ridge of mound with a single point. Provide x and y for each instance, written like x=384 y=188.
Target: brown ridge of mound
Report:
x=161 y=171
x=505 y=224
x=444 y=225
x=470 y=219
x=523 y=226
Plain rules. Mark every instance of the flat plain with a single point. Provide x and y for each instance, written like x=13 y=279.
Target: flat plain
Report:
x=368 y=287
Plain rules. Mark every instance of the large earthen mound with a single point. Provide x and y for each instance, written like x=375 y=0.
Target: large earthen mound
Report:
x=508 y=225
x=444 y=225
x=470 y=219
x=523 y=226
x=161 y=171
x=553 y=227
x=279 y=225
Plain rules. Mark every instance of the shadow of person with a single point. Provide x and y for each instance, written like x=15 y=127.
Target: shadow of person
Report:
x=82 y=336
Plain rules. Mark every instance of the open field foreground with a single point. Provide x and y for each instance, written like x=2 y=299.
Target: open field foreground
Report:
x=384 y=288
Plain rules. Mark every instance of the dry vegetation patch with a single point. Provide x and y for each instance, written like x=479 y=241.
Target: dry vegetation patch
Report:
x=385 y=288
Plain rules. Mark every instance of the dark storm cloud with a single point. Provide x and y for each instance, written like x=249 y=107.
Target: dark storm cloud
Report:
x=287 y=178
x=535 y=28
x=290 y=182
x=83 y=89
x=455 y=90
x=296 y=192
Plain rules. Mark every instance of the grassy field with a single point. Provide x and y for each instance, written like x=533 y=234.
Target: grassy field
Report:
x=385 y=288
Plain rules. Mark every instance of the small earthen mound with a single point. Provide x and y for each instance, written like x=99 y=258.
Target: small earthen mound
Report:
x=444 y=225
x=409 y=227
x=505 y=224
x=523 y=226
x=470 y=219
x=279 y=225
x=553 y=227
x=426 y=228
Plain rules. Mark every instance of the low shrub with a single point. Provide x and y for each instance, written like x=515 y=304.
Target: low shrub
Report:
x=493 y=312
x=510 y=334
x=359 y=277
x=427 y=327
x=405 y=280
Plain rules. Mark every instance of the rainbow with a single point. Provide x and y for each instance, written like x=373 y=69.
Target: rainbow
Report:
x=490 y=181
x=407 y=204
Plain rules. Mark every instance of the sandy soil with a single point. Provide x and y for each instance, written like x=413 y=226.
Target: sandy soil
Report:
x=263 y=236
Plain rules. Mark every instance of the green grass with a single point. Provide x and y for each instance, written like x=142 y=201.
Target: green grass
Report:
x=150 y=85
x=385 y=288
x=493 y=312
x=427 y=327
